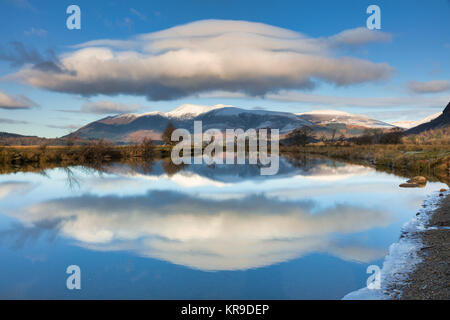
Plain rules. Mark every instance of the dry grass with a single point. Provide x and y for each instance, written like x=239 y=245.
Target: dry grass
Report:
x=432 y=160
x=428 y=160
x=38 y=158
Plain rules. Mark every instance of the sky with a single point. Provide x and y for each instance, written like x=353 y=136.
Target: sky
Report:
x=293 y=56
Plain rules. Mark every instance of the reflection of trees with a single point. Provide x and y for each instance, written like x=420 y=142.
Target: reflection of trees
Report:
x=302 y=161
x=170 y=168
x=145 y=167
x=44 y=173
x=71 y=179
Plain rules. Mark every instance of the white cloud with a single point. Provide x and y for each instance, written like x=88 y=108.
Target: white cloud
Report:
x=11 y=188
x=359 y=36
x=15 y=102
x=108 y=107
x=342 y=101
x=434 y=86
x=12 y=121
x=204 y=56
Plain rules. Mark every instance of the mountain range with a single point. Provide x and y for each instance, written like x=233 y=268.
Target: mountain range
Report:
x=412 y=124
x=127 y=128
x=443 y=120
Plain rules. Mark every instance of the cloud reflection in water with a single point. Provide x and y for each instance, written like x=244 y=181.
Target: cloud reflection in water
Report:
x=231 y=234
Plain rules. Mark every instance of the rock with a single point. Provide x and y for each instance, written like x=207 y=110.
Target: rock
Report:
x=442 y=190
x=441 y=194
x=418 y=180
x=409 y=185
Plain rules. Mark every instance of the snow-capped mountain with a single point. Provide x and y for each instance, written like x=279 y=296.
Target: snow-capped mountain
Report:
x=411 y=124
x=441 y=122
x=329 y=117
x=133 y=127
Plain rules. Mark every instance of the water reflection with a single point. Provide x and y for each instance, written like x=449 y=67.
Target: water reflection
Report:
x=12 y=187
x=206 y=234
x=221 y=175
x=209 y=218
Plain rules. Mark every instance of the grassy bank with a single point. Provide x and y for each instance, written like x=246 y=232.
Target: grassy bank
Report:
x=432 y=161
x=38 y=158
x=409 y=159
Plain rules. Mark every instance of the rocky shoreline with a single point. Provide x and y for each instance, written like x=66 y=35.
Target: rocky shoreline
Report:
x=430 y=279
x=418 y=265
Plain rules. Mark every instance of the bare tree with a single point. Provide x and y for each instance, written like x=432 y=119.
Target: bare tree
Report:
x=167 y=134
x=147 y=148
x=301 y=136
x=393 y=136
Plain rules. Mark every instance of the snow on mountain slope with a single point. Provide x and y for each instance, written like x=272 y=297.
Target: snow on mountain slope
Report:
x=411 y=124
x=132 y=127
x=325 y=117
x=326 y=112
x=129 y=127
x=187 y=111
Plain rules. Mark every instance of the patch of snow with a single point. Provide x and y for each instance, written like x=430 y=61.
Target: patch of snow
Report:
x=232 y=111
x=402 y=257
x=189 y=111
x=151 y=113
x=412 y=124
x=185 y=111
x=326 y=112
x=126 y=115
x=334 y=116
x=192 y=110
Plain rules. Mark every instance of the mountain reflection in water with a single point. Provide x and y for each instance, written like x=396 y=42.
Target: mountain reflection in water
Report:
x=211 y=218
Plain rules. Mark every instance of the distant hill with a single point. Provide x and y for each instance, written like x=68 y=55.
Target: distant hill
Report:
x=412 y=124
x=326 y=117
x=14 y=139
x=335 y=123
x=12 y=135
x=128 y=128
x=440 y=122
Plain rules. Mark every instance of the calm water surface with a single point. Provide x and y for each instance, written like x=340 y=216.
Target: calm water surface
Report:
x=201 y=232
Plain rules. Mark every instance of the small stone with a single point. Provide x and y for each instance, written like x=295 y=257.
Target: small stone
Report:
x=442 y=190
x=409 y=185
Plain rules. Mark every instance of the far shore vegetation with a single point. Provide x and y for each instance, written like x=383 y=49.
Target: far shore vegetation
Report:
x=426 y=154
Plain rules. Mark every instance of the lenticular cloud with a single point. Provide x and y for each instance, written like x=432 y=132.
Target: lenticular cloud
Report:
x=210 y=55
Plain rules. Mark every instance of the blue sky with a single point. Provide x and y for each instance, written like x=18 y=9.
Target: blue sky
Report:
x=409 y=76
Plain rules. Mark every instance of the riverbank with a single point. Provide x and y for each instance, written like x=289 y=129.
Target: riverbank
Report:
x=431 y=278
x=417 y=267
x=95 y=155
x=431 y=161
x=408 y=160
